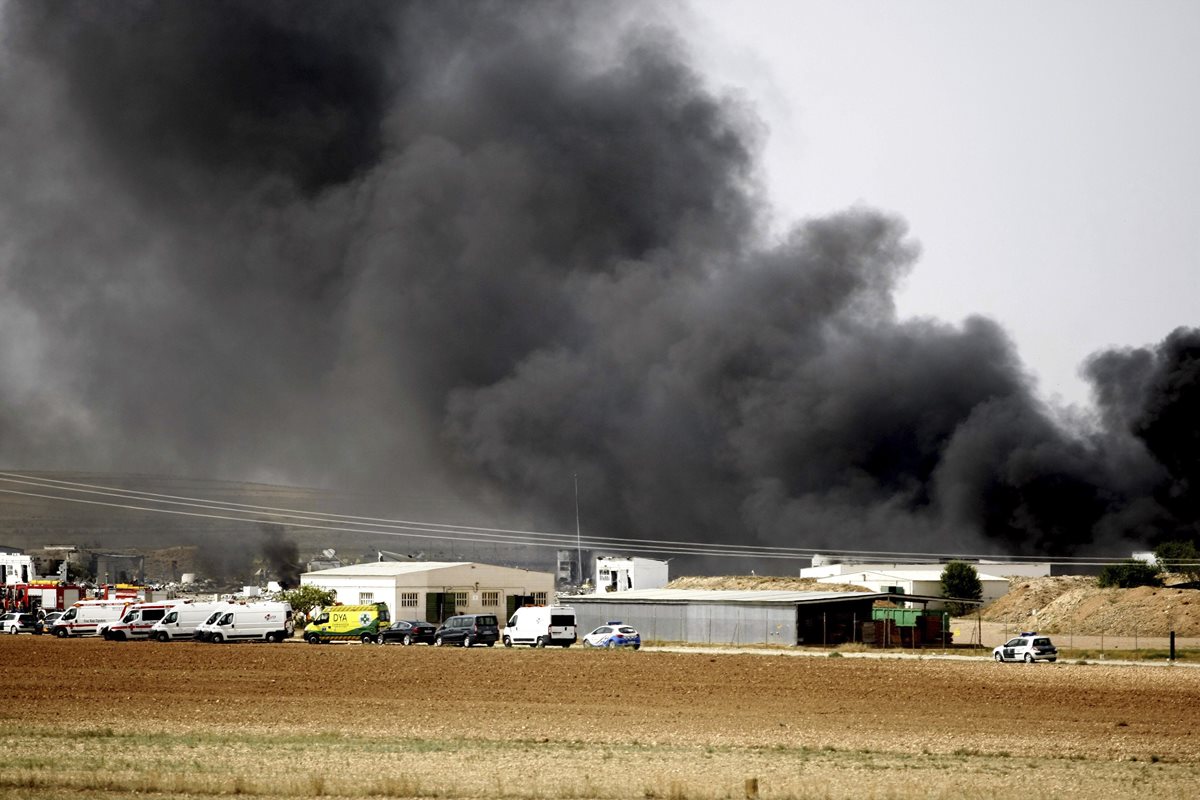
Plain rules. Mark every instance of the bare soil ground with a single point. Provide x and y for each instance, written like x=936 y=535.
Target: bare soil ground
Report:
x=1075 y=604
x=192 y=720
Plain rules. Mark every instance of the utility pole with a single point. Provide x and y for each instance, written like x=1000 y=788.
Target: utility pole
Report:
x=578 y=545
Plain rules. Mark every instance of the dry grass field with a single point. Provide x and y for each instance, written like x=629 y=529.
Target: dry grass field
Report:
x=99 y=719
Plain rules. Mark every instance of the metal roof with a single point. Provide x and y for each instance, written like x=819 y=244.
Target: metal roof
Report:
x=741 y=596
x=389 y=568
x=718 y=596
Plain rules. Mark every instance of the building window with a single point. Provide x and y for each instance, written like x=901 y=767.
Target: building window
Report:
x=491 y=599
x=408 y=599
x=539 y=598
x=460 y=600
x=366 y=597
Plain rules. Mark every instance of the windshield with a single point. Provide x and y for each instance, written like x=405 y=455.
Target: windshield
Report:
x=212 y=618
x=130 y=617
x=172 y=617
x=69 y=615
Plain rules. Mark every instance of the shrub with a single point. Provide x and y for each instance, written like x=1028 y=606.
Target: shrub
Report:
x=1129 y=574
x=1181 y=557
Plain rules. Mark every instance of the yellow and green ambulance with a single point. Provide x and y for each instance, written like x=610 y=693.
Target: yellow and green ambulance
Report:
x=341 y=623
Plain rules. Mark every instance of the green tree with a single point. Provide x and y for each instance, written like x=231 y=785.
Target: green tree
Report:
x=1129 y=574
x=1181 y=557
x=304 y=599
x=961 y=581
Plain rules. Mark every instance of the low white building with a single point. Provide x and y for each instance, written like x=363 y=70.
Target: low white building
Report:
x=434 y=590
x=925 y=582
x=614 y=574
x=821 y=568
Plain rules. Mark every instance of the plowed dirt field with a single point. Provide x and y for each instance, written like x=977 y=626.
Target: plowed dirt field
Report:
x=193 y=720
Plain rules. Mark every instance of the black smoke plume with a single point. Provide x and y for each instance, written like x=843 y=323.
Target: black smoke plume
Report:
x=468 y=250
x=280 y=555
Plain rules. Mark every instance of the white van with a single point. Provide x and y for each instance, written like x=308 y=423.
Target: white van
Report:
x=86 y=617
x=182 y=620
x=248 y=622
x=139 y=618
x=540 y=626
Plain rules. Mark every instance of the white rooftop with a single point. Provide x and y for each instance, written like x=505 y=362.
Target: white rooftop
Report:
x=716 y=596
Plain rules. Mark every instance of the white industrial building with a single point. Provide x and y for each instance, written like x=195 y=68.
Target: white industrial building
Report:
x=434 y=590
x=823 y=568
x=924 y=581
x=15 y=566
x=614 y=574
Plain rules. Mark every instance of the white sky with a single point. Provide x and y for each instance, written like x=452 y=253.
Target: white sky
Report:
x=1045 y=154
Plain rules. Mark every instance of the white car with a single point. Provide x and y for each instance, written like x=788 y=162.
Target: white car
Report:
x=1027 y=647
x=614 y=634
x=18 y=622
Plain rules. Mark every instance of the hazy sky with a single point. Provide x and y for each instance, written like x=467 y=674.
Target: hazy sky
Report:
x=1044 y=154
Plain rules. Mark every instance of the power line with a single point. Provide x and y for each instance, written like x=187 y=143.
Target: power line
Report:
x=243 y=512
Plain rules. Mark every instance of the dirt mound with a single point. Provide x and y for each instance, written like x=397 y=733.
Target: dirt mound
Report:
x=760 y=582
x=1075 y=604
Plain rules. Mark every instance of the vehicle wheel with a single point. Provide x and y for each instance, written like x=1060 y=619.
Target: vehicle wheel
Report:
x=507 y=642
x=611 y=645
x=367 y=638
x=60 y=633
x=407 y=640
x=312 y=638
x=566 y=645
x=491 y=644
x=272 y=638
x=164 y=636
x=1052 y=660
x=637 y=646
x=217 y=639
x=437 y=642
x=540 y=643
x=13 y=630
x=998 y=657
x=1028 y=658
x=466 y=641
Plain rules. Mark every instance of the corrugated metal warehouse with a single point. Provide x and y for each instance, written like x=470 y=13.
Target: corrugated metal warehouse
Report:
x=434 y=590
x=716 y=616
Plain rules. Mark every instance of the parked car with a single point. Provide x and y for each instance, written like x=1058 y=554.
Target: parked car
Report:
x=1027 y=647
x=614 y=634
x=468 y=629
x=20 y=622
x=407 y=631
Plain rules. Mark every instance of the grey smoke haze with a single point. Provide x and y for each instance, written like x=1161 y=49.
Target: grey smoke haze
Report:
x=472 y=249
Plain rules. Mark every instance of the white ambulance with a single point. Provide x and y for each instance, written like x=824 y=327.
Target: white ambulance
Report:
x=248 y=622
x=87 y=617
x=540 y=626
x=182 y=620
x=139 y=618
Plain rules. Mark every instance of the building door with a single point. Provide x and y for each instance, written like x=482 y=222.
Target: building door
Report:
x=438 y=606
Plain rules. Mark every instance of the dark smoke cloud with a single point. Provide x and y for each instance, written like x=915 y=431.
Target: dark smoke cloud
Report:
x=468 y=250
x=281 y=556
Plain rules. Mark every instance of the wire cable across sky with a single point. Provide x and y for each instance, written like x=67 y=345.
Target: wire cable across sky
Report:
x=129 y=499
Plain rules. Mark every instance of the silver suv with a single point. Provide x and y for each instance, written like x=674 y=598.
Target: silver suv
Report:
x=1027 y=647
